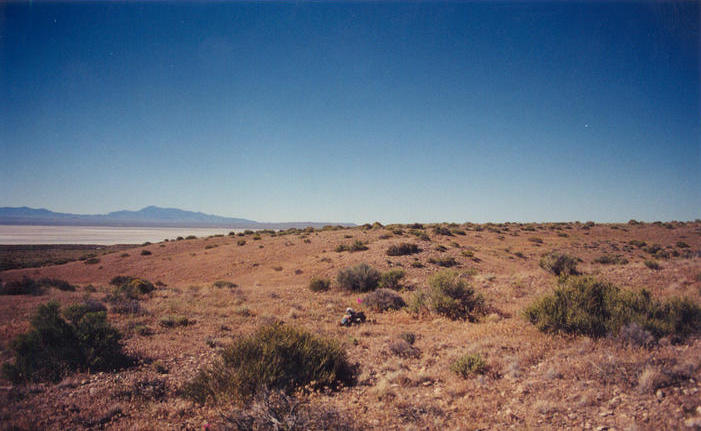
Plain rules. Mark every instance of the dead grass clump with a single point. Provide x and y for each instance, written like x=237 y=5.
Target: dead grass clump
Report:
x=403 y=249
x=559 y=264
x=359 y=278
x=403 y=349
x=275 y=410
x=633 y=334
x=383 y=299
x=276 y=356
x=585 y=306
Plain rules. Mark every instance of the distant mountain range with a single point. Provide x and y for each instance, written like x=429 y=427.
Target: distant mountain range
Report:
x=150 y=216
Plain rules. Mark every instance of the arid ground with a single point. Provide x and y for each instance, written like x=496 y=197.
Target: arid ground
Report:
x=534 y=380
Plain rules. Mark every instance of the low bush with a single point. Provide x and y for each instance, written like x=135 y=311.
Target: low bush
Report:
x=356 y=246
x=25 y=286
x=403 y=349
x=608 y=259
x=276 y=356
x=319 y=284
x=392 y=279
x=682 y=244
x=92 y=260
x=131 y=287
x=535 y=240
x=221 y=284
x=241 y=242
x=585 y=306
x=652 y=265
x=442 y=230
x=359 y=278
x=403 y=249
x=383 y=300
x=174 y=321
x=55 y=347
x=471 y=363
x=559 y=263
x=146 y=253
x=637 y=243
x=445 y=262
x=450 y=295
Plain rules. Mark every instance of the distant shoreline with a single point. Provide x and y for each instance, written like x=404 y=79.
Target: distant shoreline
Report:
x=35 y=235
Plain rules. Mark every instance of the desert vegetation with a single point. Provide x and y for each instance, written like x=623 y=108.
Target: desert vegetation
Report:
x=599 y=327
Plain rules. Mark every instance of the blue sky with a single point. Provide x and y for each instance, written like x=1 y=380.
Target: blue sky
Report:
x=355 y=112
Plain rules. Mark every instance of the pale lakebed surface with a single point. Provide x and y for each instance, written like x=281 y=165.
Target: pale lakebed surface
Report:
x=101 y=235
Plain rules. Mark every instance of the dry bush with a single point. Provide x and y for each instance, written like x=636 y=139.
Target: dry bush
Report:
x=471 y=363
x=403 y=349
x=450 y=295
x=559 y=264
x=403 y=249
x=319 y=284
x=276 y=411
x=359 y=278
x=383 y=300
x=277 y=357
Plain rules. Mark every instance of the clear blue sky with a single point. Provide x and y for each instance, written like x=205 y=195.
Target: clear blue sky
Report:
x=354 y=111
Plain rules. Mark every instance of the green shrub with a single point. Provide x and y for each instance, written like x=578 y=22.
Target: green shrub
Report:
x=450 y=295
x=607 y=259
x=403 y=249
x=319 y=284
x=392 y=279
x=55 y=347
x=256 y=237
x=131 y=287
x=583 y=305
x=359 y=278
x=356 y=246
x=383 y=300
x=276 y=356
x=92 y=260
x=559 y=264
x=469 y=364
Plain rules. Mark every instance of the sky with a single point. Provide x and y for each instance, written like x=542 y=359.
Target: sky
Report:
x=354 y=112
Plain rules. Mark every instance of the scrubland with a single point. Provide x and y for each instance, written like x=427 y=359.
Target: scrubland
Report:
x=469 y=326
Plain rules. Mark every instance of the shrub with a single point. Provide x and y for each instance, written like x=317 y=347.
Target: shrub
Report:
x=131 y=287
x=92 y=260
x=241 y=242
x=403 y=249
x=356 y=246
x=256 y=237
x=319 y=284
x=25 y=286
x=682 y=244
x=417 y=264
x=191 y=237
x=583 y=305
x=607 y=259
x=404 y=349
x=445 y=262
x=220 y=284
x=145 y=253
x=441 y=230
x=55 y=347
x=637 y=243
x=383 y=300
x=559 y=264
x=409 y=337
x=359 y=278
x=471 y=363
x=276 y=356
x=652 y=265
x=392 y=279
x=174 y=321
x=450 y=295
